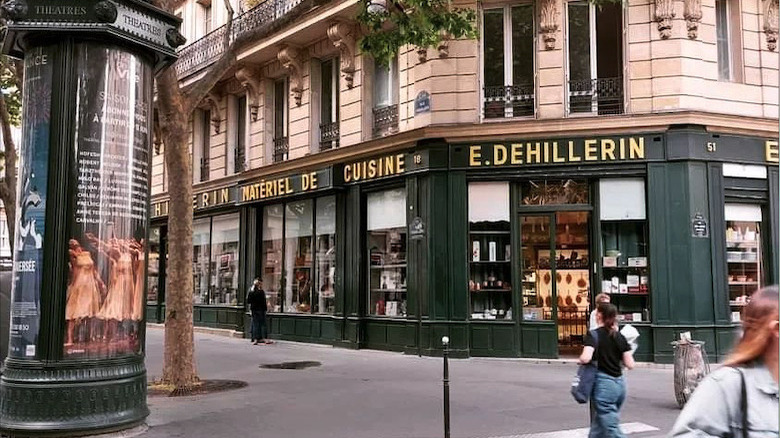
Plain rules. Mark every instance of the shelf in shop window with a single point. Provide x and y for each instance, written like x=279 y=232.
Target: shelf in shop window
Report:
x=491 y=290
x=743 y=262
x=485 y=233
x=743 y=283
x=735 y=243
x=388 y=290
x=488 y=262
x=737 y=304
x=624 y=267
x=630 y=294
x=396 y=266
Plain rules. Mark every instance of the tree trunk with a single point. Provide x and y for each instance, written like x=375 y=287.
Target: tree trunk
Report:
x=8 y=186
x=179 y=357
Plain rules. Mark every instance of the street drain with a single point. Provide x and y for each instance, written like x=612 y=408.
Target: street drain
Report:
x=291 y=365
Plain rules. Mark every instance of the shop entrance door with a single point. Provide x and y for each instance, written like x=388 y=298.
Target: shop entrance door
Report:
x=556 y=274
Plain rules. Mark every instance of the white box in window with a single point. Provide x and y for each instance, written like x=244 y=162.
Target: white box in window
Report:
x=637 y=316
x=637 y=262
x=632 y=280
x=475 y=251
x=606 y=286
x=609 y=262
x=492 y=251
x=623 y=288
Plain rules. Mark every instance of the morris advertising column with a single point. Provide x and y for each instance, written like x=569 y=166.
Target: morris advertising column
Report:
x=76 y=352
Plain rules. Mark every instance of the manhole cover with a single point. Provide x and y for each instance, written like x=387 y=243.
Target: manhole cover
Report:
x=291 y=365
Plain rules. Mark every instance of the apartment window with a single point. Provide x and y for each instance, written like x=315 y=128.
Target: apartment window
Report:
x=728 y=31
x=595 y=59
x=205 y=11
x=385 y=100
x=329 y=104
x=281 y=115
x=508 y=70
x=239 y=135
x=201 y=141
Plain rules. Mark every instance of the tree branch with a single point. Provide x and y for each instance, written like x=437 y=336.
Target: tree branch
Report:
x=8 y=187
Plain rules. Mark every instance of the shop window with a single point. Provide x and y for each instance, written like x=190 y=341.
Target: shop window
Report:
x=153 y=272
x=554 y=192
x=744 y=255
x=508 y=66
x=595 y=58
x=201 y=257
x=299 y=277
x=624 y=249
x=387 y=243
x=490 y=273
x=215 y=260
x=271 y=257
x=325 y=299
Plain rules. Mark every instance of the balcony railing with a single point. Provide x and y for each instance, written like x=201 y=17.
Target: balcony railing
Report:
x=329 y=136
x=208 y=49
x=281 y=149
x=603 y=96
x=204 y=169
x=508 y=101
x=385 y=119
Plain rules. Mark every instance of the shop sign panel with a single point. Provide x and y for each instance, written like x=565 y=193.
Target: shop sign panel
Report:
x=385 y=166
x=558 y=151
x=285 y=186
x=725 y=148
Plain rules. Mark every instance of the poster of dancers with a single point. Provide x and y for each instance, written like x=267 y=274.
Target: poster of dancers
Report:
x=31 y=204
x=105 y=294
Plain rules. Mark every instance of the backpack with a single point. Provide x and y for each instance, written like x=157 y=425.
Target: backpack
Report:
x=585 y=379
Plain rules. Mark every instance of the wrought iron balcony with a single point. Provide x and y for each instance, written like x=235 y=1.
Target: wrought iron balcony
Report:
x=281 y=149
x=508 y=101
x=239 y=159
x=204 y=169
x=329 y=136
x=206 y=50
x=385 y=119
x=603 y=96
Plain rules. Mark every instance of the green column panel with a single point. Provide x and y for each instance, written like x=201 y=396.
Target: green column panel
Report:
x=353 y=263
x=721 y=309
x=415 y=252
x=774 y=232
x=458 y=248
x=660 y=272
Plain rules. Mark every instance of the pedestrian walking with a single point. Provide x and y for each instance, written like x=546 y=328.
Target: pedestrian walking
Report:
x=258 y=306
x=612 y=352
x=740 y=399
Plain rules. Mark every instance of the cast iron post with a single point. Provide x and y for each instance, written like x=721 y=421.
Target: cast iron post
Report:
x=446 y=380
x=75 y=364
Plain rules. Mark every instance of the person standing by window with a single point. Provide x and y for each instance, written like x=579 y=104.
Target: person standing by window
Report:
x=612 y=351
x=258 y=306
x=740 y=399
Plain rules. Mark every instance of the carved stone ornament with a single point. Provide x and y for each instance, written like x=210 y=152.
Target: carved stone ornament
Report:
x=444 y=44
x=15 y=9
x=106 y=11
x=664 y=12
x=174 y=38
x=422 y=54
x=771 y=23
x=212 y=100
x=692 y=16
x=250 y=80
x=341 y=35
x=548 y=23
x=290 y=59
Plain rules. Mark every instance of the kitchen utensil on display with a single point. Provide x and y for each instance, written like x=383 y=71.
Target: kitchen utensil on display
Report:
x=547 y=278
x=548 y=301
x=568 y=278
x=569 y=300
x=557 y=277
x=581 y=283
x=560 y=301
x=579 y=299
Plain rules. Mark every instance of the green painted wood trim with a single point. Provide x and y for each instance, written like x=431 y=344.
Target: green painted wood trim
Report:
x=458 y=246
x=720 y=292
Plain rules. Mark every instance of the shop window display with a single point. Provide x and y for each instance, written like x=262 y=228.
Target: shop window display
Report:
x=153 y=272
x=298 y=256
x=215 y=260
x=201 y=247
x=271 y=257
x=490 y=288
x=325 y=298
x=554 y=192
x=387 y=240
x=743 y=255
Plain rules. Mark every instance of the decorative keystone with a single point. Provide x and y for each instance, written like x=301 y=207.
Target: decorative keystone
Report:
x=105 y=11
x=212 y=100
x=664 y=12
x=249 y=77
x=174 y=37
x=692 y=16
x=548 y=25
x=341 y=35
x=422 y=54
x=771 y=23
x=15 y=9
x=289 y=57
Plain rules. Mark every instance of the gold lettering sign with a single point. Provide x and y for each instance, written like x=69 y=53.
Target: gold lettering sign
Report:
x=563 y=152
x=278 y=187
x=374 y=168
x=772 y=154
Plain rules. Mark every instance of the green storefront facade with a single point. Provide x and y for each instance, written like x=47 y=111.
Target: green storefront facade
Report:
x=500 y=245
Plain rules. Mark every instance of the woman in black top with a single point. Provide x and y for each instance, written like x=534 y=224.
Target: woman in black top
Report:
x=609 y=392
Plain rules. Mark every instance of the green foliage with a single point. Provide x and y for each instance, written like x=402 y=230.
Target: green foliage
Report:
x=419 y=23
x=8 y=86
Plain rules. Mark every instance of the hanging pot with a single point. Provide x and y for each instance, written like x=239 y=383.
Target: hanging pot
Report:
x=581 y=283
x=568 y=278
x=558 y=277
x=547 y=278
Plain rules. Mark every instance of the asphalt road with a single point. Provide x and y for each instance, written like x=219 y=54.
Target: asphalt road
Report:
x=376 y=394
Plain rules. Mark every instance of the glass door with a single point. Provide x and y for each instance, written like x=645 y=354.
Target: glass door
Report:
x=555 y=273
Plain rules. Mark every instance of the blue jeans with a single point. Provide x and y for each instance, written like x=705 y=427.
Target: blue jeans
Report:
x=609 y=393
x=258 y=331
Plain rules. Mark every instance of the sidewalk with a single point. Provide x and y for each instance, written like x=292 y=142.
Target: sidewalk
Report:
x=377 y=394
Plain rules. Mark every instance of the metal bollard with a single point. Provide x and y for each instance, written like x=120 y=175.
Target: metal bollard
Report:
x=446 y=381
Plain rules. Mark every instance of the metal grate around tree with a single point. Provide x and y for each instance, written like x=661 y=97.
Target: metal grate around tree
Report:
x=385 y=119
x=329 y=136
x=602 y=96
x=508 y=101
x=281 y=149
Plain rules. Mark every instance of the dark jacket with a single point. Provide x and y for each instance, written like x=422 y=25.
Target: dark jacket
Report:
x=256 y=300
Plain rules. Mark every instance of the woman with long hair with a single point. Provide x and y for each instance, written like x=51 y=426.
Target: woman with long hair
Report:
x=612 y=352
x=739 y=400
